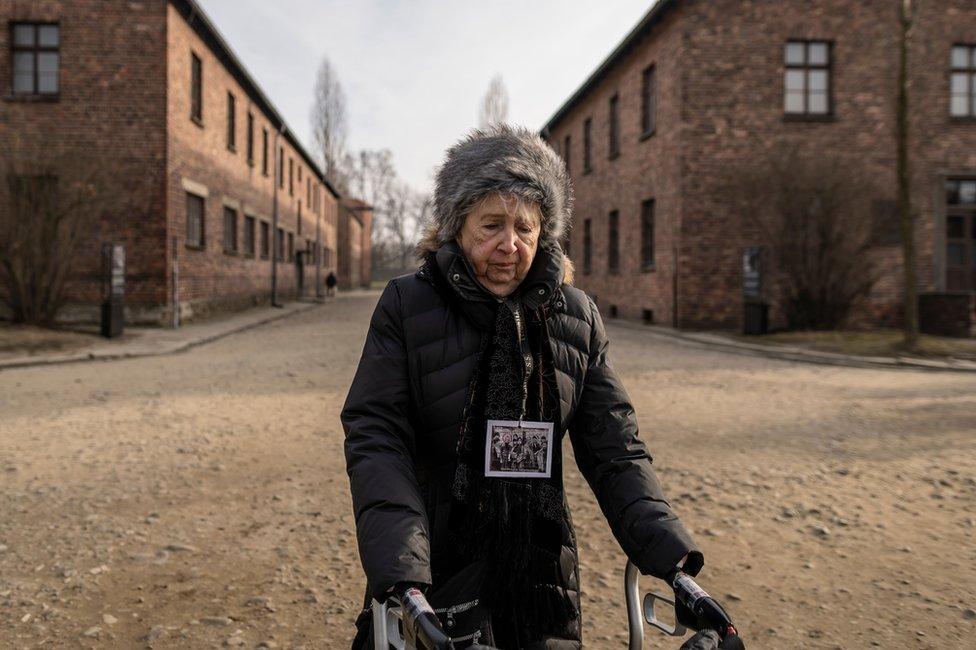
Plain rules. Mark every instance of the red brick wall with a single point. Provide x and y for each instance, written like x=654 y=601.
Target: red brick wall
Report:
x=353 y=244
x=645 y=169
x=199 y=154
x=112 y=105
x=720 y=106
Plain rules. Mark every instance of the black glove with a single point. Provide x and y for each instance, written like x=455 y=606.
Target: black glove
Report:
x=709 y=640
x=704 y=640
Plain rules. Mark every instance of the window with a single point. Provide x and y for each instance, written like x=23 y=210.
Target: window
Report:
x=291 y=247
x=298 y=218
x=231 y=122
x=280 y=244
x=196 y=88
x=566 y=143
x=36 y=59
x=194 y=220
x=265 y=244
x=614 y=127
x=308 y=191
x=587 y=247
x=648 y=101
x=807 y=80
x=962 y=81
x=647 y=235
x=250 y=139
x=291 y=176
x=587 y=127
x=613 y=242
x=249 y=227
x=264 y=151
x=281 y=167
x=960 y=235
x=230 y=230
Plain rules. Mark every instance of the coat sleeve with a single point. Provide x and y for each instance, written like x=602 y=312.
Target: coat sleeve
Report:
x=391 y=520
x=617 y=466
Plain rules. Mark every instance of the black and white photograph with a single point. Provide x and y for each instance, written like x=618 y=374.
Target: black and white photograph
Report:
x=519 y=449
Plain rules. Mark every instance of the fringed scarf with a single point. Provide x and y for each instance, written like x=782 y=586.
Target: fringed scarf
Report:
x=514 y=524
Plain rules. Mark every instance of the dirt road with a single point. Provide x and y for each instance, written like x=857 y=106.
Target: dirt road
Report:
x=200 y=500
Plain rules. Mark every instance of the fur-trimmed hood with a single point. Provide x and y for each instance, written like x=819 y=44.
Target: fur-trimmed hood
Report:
x=499 y=158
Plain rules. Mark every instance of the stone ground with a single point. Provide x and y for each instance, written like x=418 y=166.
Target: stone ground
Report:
x=199 y=500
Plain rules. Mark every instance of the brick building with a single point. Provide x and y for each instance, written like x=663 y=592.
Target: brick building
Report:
x=700 y=87
x=354 y=232
x=205 y=159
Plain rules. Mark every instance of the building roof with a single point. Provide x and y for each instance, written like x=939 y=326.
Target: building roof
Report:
x=651 y=18
x=196 y=18
x=356 y=204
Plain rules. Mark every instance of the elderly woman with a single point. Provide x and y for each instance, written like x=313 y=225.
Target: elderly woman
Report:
x=486 y=346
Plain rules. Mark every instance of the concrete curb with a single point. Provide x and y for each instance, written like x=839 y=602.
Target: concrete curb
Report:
x=173 y=348
x=792 y=353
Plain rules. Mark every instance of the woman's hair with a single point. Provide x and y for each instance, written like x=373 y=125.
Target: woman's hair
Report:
x=503 y=159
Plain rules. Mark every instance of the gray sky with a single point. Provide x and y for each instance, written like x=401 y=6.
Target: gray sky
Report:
x=415 y=71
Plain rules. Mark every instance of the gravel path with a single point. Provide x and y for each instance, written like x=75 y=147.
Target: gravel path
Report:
x=200 y=500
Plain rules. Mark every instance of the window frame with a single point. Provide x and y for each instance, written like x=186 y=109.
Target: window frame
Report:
x=647 y=235
x=35 y=50
x=264 y=239
x=587 y=145
x=250 y=235
x=806 y=67
x=648 y=116
x=613 y=123
x=250 y=139
x=281 y=167
x=202 y=243
x=233 y=248
x=196 y=89
x=970 y=74
x=231 y=122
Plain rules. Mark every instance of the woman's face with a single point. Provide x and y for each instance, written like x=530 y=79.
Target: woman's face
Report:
x=499 y=237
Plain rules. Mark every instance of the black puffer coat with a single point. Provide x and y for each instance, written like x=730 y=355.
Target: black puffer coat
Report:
x=403 y=413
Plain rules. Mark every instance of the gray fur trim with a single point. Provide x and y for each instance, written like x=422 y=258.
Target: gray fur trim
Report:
x=507 y=159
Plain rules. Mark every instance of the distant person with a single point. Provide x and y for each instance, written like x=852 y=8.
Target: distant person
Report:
x=330 y=284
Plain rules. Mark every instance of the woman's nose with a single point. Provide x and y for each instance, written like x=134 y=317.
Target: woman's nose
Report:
x=507 y=244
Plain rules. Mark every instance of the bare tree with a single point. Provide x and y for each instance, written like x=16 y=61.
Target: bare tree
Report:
x=494 y=105
x=329 y=128
x=405 y=211
x=906 y=219
x=813 y=214
x=51 y=201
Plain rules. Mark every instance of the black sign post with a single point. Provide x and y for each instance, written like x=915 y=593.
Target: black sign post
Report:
x=756 y=316
x=113 y=292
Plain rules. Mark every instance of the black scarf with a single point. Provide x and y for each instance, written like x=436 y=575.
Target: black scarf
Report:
x=514 y=524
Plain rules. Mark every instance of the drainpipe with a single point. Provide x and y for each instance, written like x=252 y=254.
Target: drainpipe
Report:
x=275 y=244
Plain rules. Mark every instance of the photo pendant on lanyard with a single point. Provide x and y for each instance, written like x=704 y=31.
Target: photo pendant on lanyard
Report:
x=519 y=448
